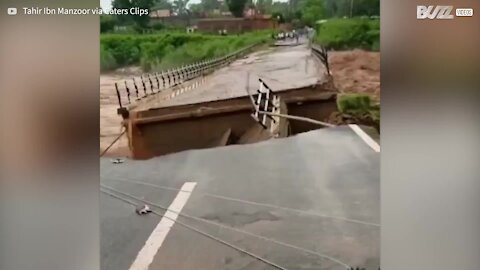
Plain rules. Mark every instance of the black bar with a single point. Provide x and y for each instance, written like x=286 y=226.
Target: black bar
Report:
x=128 y=93
x=158 y=82
x=260 y=122
x=183 y=72
x=175 y=77
x=118 y=96
x=144 y=87
x=163 y=81
x=151 y=84
x=136 y=88
x=266 y=86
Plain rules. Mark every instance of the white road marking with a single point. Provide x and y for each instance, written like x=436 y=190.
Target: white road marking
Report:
x=158 y=235
x=367 y=139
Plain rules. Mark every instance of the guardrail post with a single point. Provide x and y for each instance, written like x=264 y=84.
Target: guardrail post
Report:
x=136 y=87
x=158 y=82
x=175 y=77
x=179 y=75
x=163 y=80
x=151 y=84
x=128 y=93
x=144 y=87
x=169 y=78
x=183 y=73
x=190 y=71
x=118 y=96
x=265 y=102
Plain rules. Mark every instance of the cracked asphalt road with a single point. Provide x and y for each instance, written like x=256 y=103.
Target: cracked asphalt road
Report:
x=323 y=174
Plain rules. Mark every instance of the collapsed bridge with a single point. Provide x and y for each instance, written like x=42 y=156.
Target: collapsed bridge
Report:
x=309 y=201
x=208 y=104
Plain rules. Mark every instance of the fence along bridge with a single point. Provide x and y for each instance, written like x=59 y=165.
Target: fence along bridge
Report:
x=207 y=104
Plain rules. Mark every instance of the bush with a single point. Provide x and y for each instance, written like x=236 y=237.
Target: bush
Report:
x=158 y=26
x=107 y=23
x=350 y=33
x=107 y=61
x=168 y=49
x=350 y=103
x=359 y=106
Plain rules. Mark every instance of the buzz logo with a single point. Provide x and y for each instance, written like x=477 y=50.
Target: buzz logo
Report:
x=434 y=12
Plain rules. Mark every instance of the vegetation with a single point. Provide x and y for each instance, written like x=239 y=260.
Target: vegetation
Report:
x=163 y=47
x=308 y=12
x=140 y=21
x=236 y=7
x=359 y=108
x=296 y=12
x=180 y=7
x=312 y=10
x=350 y=33
x=165 y=50
x=107 y=60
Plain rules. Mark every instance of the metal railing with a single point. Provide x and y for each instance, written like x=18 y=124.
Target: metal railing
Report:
x=265 y=103
x=130 y=91
x=266 y=109
x=322 y=53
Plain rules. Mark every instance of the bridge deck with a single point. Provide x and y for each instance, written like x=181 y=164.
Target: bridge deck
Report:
x=331 y=176
x=281 y=68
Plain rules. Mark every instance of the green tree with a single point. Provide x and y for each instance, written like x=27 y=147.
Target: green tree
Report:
x=280 y=8
x=210 y=5
x=144 y=20
x=312 y=11
x=264 y=6
x=107 y=23
x=341 y=8
x=365 y=7
x=278 y=16
x=123 y=19
x=236 y=7
x=180 y=7
x=249 y=5
x=141 y=21
x=196 y=8
x=205 y=6
x=294 y=5
x=162 y=4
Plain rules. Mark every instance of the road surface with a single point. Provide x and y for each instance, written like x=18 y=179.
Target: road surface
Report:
x=314 y=200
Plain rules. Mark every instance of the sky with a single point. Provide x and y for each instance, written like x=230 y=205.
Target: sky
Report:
x=106 y=4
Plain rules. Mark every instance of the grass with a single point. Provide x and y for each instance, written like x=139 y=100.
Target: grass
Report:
x=360 y=107
x=168 y=49
x=107 y=60
x=350 y=33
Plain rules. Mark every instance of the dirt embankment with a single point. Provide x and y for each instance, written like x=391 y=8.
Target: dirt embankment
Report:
x=356 y=71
